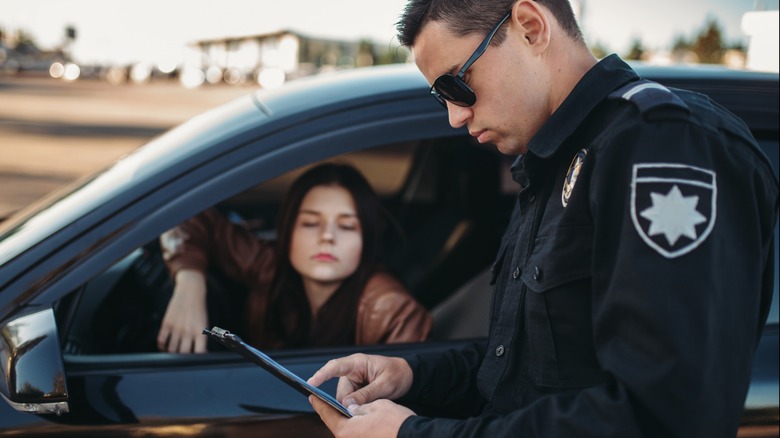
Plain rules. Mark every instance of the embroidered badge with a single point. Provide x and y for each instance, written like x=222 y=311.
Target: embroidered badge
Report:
x=673 y=206
x=571 y=175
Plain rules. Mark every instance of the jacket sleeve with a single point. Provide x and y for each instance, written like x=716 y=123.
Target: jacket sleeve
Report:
x=445 y=383
x=211 y=239
x=388 y=314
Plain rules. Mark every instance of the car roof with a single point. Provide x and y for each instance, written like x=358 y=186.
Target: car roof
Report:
x=333 y=89
x=699 y=71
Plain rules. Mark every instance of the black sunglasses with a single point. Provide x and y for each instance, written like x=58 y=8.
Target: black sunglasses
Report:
x=452 y=88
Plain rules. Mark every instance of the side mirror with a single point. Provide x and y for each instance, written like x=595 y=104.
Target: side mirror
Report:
x=32 y=375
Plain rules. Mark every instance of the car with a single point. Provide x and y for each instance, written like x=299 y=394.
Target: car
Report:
x=83 y=286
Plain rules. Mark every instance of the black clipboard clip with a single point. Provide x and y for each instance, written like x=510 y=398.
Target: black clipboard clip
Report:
x=235 y=343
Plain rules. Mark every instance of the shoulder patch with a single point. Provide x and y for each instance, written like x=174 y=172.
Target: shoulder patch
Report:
x=648 y=95
x=673 y=206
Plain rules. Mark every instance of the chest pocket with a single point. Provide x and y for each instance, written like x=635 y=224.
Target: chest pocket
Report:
x=559 y=349
x=559 y=259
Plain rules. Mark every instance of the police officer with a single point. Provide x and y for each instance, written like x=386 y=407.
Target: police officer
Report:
x=636 y=273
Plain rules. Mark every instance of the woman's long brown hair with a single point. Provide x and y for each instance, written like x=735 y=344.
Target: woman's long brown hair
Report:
x=288 y=321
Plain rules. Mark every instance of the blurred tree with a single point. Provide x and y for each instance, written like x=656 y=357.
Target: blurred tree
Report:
x=70 y=32
x=636 y=51
x=25 y=38
x=599 y=50
x=682 y=50
x=393 y=55
x=737 y=45
x=25 y=43
x=365 y=56
x=680 y=44
x=708 y=45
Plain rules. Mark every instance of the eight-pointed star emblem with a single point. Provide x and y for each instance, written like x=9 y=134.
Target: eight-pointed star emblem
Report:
x=673 y=215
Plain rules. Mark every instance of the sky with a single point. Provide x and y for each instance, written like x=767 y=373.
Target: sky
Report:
x=122 y=31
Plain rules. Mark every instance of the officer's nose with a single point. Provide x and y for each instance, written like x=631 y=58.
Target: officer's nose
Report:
x=459 y=115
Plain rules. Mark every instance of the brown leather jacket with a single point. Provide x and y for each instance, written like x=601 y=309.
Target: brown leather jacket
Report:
x=387 y=313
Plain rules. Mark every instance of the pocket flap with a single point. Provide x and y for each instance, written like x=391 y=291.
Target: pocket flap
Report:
x=559 y=259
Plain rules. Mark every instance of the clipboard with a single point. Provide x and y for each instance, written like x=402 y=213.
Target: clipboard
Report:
x=235 y=343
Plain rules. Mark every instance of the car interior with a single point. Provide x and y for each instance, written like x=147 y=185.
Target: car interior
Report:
x=449 y=197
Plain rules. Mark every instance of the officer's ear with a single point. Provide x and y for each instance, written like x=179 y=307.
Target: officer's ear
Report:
x=530 y=21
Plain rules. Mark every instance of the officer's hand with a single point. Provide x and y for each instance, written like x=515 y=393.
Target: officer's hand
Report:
x=378 y=419
x=365 y=378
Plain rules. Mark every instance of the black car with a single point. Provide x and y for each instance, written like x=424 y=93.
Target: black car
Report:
x=83 y=287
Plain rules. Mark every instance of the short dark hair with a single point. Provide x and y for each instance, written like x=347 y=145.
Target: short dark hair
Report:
x=465 y=17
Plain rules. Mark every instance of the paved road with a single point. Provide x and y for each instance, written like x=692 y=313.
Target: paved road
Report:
x=54 y=132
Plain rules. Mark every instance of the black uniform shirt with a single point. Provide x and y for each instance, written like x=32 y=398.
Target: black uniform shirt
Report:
x=633 y=281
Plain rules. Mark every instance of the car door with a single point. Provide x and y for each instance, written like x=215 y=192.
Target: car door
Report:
x=216 y=393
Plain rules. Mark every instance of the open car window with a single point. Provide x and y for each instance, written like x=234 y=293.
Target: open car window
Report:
x=448 y=197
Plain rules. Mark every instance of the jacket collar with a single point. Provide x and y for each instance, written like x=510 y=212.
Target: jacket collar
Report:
x=607 y=75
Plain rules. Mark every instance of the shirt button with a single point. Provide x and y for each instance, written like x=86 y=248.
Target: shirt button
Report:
x=537 y=273
x=500 y=350
x=516 y=273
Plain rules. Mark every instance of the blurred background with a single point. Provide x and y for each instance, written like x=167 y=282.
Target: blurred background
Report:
x=83 y=82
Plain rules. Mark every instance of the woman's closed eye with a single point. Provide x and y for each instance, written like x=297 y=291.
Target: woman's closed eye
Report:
x=349 y=226
x=309 y=219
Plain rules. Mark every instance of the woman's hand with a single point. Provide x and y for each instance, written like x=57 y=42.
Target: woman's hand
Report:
x=186 y=316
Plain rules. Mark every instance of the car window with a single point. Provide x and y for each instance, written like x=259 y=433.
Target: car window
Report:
x=445 y=196
x=385 y=167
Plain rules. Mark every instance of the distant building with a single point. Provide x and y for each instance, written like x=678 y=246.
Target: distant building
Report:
x=764 y=49
x=270 y=59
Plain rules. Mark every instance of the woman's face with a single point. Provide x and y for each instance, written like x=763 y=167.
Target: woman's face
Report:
x=327 y=240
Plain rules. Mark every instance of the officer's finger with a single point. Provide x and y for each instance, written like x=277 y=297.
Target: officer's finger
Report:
x=334 y=368
x=344 y=390
x=364 y=395
x=332 y=419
